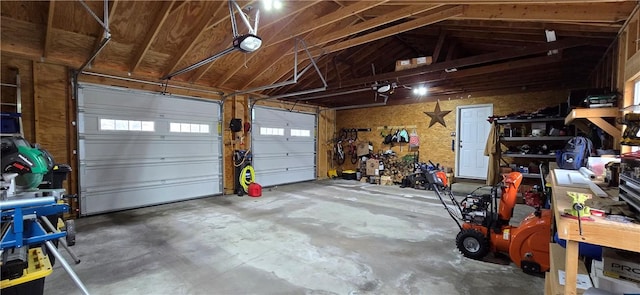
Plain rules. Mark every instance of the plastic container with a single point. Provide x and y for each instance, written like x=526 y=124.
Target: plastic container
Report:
x=254 y=190
x=55 y=177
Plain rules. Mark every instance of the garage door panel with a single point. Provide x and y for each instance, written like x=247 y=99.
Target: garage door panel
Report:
x=147 y=149
x=105 y=100
x=127 y=167
x=291 y=175
x=280 y=147
x=105 y=201
x=124 y=174
x=284 y=152
x=283 y=162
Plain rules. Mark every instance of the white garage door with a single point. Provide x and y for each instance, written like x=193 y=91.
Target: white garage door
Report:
x=140 y=148
x=283 y=146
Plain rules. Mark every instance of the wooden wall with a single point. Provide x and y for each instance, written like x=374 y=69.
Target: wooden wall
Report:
x=46 y=108
x=624 y=67
x=435 y=141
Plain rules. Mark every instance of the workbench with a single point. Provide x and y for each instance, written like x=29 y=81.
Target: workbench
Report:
x=599 y=231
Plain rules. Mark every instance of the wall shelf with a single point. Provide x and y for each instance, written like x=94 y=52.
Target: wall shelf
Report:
x=595 y=116
x=531 y=156
x=535 y=138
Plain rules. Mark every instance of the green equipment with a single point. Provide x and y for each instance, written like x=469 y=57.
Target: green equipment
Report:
x=31 y=163
x=28 y=212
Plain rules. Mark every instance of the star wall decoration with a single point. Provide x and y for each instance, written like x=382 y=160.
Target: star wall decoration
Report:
x=437 y=116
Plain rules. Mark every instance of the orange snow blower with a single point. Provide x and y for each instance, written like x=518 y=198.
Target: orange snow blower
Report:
x=484 y=226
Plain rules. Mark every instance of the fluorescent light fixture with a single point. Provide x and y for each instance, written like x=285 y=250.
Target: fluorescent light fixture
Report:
x=247 y=43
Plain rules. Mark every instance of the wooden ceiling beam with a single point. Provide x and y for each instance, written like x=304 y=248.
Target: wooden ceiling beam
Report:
x=201 y=25
x=579 y=12
x=404 y=2
x=179 y=6
x=49 y=30
x=436 y=52
x=232 y=72
x=465 y=74
x=390 y=31
x=288 y=19
x=438 y=15
x=151 y=35
x=289 y=58
x=390 y=17
x=328 y=19
x=497 y=25
x=475 y=60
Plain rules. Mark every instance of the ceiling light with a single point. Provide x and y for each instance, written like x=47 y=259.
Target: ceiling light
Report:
x=247 y=42
x=271 y=4
x=420 y=90
x=384 y=88
x=551 y=37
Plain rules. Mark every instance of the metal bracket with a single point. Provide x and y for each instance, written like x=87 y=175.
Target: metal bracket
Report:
x=234 y=28
x=296 y=75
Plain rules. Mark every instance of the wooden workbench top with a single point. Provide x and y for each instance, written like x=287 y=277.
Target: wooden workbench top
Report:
x=599 y=231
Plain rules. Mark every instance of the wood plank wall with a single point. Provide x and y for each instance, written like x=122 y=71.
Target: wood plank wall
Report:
x=435 y=141
x=625 y=61
x=46 y=110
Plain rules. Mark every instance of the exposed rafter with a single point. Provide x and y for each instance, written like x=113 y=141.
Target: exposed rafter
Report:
x=49 y=31
x=200 y=26
x=576 y=12
x=330 y=18
x=493 y=38
x=155 y=27
x=273 y=28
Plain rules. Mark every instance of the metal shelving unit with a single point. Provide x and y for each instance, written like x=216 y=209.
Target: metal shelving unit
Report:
x=522 y=138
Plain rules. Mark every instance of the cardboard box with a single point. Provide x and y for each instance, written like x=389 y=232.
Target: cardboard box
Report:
x=621 y=264
x=372 y=167
x=403 y=64
x=421 y=61
x=363 y=149
x=610 y=284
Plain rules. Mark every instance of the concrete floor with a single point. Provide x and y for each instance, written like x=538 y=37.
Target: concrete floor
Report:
x=323 y=237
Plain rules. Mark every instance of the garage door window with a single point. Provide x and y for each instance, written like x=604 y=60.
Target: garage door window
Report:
x=300 y=132
x=271 y=131
x=126 y=125
x=188 y=128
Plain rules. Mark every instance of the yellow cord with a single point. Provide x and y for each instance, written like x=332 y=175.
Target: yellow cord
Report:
x=243 y=180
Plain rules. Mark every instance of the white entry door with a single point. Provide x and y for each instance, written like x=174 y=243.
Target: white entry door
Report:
x=140 y=148
x=283 y=146
x=473 y=131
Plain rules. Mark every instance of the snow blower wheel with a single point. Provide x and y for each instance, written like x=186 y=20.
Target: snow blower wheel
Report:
x=472 y=244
